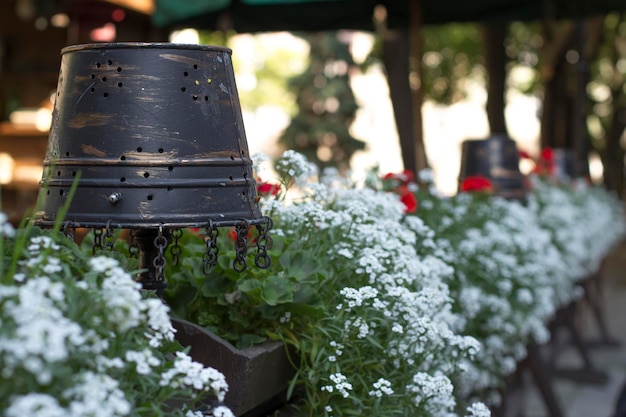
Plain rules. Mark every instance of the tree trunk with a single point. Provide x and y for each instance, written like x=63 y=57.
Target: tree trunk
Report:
x=402 y=58
x=553 y=78
x=495 y=61
x=395 y=58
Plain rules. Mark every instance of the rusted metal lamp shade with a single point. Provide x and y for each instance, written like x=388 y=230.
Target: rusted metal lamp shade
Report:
x=153 y=134
x=497 y=159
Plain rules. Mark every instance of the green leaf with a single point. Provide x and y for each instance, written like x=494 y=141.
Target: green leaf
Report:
x=249 y=285
x=277 y=290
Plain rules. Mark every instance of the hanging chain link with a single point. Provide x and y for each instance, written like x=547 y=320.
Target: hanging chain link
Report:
x=176 y=250
x=97 y=240
x=209 y=258
x=263 y=244
x=133 y=246
x=69 y=230
x=109 y=237
x=241 y=246
x=160 y=242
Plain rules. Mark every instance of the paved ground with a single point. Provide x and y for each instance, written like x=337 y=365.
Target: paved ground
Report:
x=585 y=399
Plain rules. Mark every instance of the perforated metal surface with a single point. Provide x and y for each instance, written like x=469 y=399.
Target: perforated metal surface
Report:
x=153 y=134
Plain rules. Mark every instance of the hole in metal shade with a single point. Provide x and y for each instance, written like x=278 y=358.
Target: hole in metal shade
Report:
x=123 y=179
x=123 y=157
x=150 y=197
x=146 y=174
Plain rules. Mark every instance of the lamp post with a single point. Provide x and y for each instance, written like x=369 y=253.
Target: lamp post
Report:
x=152 y=133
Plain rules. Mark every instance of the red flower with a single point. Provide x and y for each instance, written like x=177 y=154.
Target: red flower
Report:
x=546 y=165
x=476 y=183
x=408 y=198
x=405 y=177
x=399 y=183
x=266 y=188
x=232 y=233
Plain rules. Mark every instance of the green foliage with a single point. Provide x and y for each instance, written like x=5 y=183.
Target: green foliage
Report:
x=254 y=301
x=452 y=55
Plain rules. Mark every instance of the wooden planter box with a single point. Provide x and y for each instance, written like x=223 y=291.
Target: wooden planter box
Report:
x=257 y=377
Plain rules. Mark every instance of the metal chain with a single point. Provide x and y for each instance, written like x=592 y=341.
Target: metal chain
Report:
x=176 y=250
x=241 y=246
x=263 y=244
x=109 y=238
x=133 y=247
x=97 y=240
x=69 y=230
x=160 y=242
x=209 y=258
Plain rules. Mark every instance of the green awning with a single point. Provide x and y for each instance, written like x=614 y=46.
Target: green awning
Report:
x=311 y=15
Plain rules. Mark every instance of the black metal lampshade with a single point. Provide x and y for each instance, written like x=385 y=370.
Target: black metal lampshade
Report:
x=153 y=134
x=497 y=159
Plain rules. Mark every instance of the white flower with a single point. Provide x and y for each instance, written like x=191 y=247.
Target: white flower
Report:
x=144 y=361
x=341 y=384
x=6 y=228
x=381 y=387
x=35 y=405
x=193 y=374
x=478 y=410
x=97 y=395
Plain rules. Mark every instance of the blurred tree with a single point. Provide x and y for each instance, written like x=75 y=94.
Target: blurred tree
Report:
x=326 y=104
x=579 y=67
x=607 y=90
x=262 y=77
x=496 y=60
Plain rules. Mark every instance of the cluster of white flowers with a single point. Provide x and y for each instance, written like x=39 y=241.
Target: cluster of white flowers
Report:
x=415 y=289
x=394 y=295
x=294 y=165
x=340 y=383
x=515 y=264
x=190 y=373
x=76 y=342
x=381 y=387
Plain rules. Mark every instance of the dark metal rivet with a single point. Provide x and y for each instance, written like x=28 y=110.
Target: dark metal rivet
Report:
x=115 y=198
